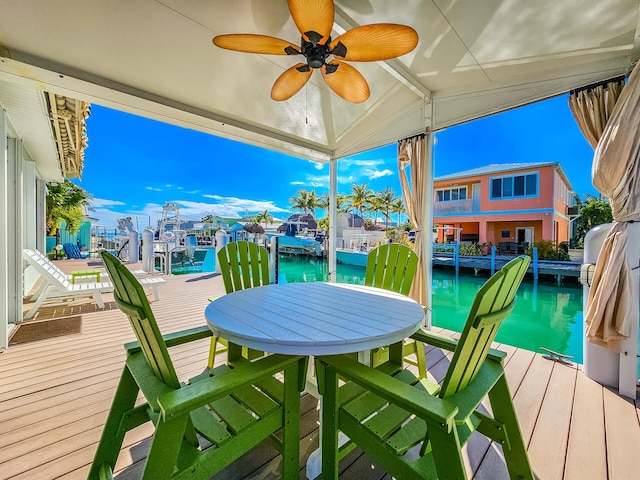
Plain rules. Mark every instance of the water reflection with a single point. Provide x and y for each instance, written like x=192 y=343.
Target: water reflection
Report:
x=544 y=315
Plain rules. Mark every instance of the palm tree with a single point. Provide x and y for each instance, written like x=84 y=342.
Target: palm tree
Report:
x=300 y=201
x=385 y=202
x=397 y=207
x=314 y=202
x=264 y=217
x=361 y=197
x=375 y=206
x=65 y=202
x=342 y=203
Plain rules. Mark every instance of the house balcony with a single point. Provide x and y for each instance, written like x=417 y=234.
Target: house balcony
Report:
x=469 y=205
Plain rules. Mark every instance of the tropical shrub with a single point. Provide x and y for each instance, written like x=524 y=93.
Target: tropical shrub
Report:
x=593 y=212
x=470 y=249
x=547 y=251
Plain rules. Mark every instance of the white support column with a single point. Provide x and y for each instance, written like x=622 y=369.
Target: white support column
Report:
x=333 y=217
x=30 y=199
x=14 y=235
x=427 y=222
x=4 y=229
x=33 y=219
x=41 y=215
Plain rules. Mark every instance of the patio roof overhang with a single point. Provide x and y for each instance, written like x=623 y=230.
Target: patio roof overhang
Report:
x=156 y=59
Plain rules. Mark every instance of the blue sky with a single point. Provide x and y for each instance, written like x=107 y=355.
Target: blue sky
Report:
x=134 y=165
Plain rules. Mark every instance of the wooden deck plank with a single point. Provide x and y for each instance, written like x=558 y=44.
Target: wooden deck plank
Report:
x=55 y=394
x=492 y=466
x=587 y=433
x=622 y=435
x=549 y=439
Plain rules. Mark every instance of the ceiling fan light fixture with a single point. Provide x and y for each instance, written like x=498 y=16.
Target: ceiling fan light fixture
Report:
x=314 y=19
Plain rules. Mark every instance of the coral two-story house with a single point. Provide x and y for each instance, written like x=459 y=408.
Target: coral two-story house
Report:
x=518 y=203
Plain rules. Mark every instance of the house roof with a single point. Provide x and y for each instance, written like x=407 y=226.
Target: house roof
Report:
x=504 y=168
x=155 y=58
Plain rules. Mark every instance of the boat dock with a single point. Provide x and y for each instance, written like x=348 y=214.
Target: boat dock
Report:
x=559 y=269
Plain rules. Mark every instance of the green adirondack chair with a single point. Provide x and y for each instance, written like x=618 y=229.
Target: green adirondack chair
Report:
x=393 y=267
x=236 y=408
x=387 y=410
x=243 y=265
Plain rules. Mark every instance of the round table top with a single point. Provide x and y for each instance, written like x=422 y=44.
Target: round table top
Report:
x=314 y=318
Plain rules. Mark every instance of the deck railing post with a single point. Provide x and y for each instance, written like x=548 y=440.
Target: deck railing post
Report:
x=493 y=259
x=456 y=257
x=535 y=263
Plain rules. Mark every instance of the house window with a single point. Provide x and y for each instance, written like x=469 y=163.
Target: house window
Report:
x=515 y=186
x=451 y=194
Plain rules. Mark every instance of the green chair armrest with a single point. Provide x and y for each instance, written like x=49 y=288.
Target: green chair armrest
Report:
x=447 y=343
x=193 y=396
x=399 y=393
x=436 y=339
x=175 y=338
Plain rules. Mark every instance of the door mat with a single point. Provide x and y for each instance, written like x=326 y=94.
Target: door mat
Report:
x=56 y=327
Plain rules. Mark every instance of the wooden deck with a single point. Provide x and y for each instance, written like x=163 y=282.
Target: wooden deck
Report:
x=55 y=394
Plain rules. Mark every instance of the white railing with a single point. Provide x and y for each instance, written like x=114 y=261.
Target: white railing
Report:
x=457 y=206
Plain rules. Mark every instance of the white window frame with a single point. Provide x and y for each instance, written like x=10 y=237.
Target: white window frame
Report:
x=512 y=177
x=449 y=189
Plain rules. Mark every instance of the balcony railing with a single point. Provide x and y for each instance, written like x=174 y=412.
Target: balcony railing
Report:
x=457 y=206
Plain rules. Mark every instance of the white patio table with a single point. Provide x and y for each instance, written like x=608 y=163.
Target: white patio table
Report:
x=314 y=319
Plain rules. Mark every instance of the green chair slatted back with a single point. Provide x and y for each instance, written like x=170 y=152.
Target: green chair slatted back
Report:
x=491 y=305
x=391 y=266
x=243 y=265
x=388 y=411
x=131 y=299
x=234 y=407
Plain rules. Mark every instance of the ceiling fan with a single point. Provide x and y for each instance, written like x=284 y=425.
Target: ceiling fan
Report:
x=314 y=19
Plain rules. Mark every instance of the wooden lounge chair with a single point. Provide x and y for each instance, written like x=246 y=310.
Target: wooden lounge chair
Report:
x=387 y=411
x=393 y=267
x=56 y=289
x=243 y=265
x=236 y=408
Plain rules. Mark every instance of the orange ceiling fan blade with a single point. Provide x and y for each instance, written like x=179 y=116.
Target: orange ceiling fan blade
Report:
x=372 y=43
x=346 y=81
x=250 y=43
x=290 y=82
x=313 y=16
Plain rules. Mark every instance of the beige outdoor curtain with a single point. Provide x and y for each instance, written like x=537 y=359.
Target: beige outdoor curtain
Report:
x=616 y=174
x=411 y=153
x=592 y=107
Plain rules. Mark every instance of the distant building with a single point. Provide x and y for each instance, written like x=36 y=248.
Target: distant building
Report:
x=505 y=205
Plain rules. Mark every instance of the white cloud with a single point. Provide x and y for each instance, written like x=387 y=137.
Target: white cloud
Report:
x=154 y=189
x=298 y=183
x=373 y=174
x=348 y=162
x=103 y=202
x=226 y=207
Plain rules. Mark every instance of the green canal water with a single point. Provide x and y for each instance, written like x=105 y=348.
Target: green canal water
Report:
x=544 y=315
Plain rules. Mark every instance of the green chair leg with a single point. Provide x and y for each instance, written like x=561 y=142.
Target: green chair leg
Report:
x=515 y=453
x=113 y=434
x=165 y=449
x=447 y=453
x=329 y=425
x=291 y=436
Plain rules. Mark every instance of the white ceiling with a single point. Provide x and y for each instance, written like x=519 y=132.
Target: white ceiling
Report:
x=156 y=58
